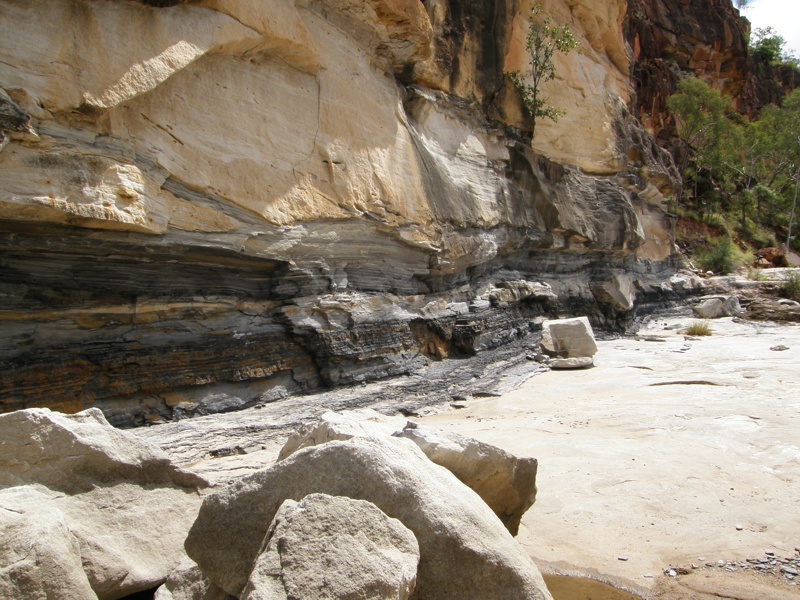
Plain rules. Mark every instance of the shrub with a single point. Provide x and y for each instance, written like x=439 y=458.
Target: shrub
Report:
x=723 y=258
x=698 y=328
x=791 y=285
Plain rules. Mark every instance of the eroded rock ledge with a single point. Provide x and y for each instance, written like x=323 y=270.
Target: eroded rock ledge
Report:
x=211 y=196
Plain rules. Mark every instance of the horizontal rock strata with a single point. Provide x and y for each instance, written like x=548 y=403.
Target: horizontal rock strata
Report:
x=209 y=205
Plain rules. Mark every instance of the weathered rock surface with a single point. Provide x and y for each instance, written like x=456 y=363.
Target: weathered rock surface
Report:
x=78 y=453
x=40 y=559
x=187 y=582
x=569 y=338
x=714 y=307
x=581 y=362
x=334 y=547
x=108 y=488
x=464 y=550
x=207 y=205
x=506 y=483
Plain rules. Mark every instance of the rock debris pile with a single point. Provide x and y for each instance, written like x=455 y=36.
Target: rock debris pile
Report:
x=769 y=563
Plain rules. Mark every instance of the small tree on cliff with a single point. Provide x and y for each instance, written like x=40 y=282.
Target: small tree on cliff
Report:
x=544 y=39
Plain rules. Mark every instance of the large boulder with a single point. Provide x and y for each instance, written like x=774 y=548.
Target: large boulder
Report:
x=506 y=483
x=334 y=547
x=40 y=559
x=465 y=552
x=715 y=307
x=77 y=453
x=126 y=505
x=568 y=338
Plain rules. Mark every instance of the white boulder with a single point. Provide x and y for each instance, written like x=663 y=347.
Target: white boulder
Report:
x=568 y=338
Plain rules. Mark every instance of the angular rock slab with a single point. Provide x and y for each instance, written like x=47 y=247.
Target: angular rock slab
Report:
x=126 y=505
x=465 y=552
x=568 y=338
x=40 y=559
x=77 y=453
x=715 y=307
x=333 y=547
x=506 y=483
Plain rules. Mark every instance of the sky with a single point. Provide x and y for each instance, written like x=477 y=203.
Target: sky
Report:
x=781 y=15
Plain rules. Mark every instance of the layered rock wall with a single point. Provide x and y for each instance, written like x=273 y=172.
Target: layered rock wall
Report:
x=209 y=204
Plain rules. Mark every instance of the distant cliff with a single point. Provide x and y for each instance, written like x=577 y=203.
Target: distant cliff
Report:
x=670 y=39
x=209 y=204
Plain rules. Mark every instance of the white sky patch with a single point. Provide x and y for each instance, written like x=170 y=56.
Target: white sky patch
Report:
x=782 y=15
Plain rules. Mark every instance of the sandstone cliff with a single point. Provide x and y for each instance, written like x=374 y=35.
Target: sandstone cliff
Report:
x=213 y=203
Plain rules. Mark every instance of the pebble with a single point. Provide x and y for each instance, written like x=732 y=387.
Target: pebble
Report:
x=648 y=575
x=672 y=573
x=739 y=528
x=622 y=558
x=789 y=570
x=769 y=553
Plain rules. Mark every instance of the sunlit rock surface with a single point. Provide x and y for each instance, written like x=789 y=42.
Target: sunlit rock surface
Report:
x=211 y=204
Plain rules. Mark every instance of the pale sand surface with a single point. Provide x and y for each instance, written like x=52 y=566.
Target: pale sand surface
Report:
x=658 y=474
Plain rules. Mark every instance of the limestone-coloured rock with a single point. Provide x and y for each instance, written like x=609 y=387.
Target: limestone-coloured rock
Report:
x=80 y=452
x=581 y=362
x=714 y=307
x=40 y=559
x=506 y=483
x=341 y=426
x=464 y=550
x=187 y=582
x=126 y=505
x=568 y=338
x=334 y=547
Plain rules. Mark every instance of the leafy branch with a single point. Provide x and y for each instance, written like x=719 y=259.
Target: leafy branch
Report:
x=544 y=39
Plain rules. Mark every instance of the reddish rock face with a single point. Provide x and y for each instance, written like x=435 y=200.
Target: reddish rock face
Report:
x=704 y=38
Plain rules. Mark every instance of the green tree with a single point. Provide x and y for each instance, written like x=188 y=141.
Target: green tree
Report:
x=770 y=48
x=711 y=139
x=544 y=39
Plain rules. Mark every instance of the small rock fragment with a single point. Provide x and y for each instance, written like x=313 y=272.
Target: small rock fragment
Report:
x=779 y=348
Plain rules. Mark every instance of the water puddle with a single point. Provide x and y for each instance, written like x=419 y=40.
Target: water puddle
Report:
x=581 y=588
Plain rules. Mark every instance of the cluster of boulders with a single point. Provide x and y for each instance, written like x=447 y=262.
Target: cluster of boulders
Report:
x=87 y=511
x=359 y=505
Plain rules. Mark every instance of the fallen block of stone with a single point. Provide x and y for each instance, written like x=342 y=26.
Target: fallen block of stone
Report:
x=568 y=338
x=465 y=552
x=582 y=362
x=507 y=483
x=333 y=547
x=715 y=307
x=110 y=488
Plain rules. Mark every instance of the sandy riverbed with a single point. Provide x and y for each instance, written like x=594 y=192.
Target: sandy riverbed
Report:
x=673 y=452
